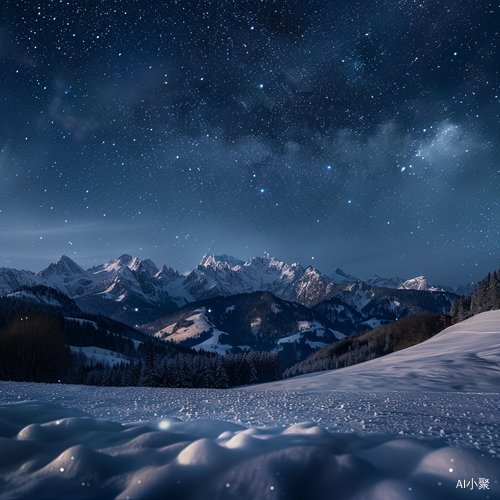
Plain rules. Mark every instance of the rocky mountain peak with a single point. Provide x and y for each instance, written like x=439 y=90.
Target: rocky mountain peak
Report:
x=65 y=266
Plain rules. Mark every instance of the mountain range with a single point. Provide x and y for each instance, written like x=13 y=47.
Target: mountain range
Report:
x=138 y=293
x=128 y=279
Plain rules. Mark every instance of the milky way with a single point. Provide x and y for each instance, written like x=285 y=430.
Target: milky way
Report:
x=361 y=135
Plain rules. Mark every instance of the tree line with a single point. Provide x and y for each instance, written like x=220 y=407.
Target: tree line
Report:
x=35 y=347
x=205 y=370
x=486 y=297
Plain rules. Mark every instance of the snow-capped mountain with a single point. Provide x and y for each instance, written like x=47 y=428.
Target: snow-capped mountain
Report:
x=11 y=279
x=127 y=289
x=67 y=276
x=135 y=291
x=130 y=289
x=225 y=276
x=359 y=303
x=340 y=276
x=377 y=280
x=418 y=283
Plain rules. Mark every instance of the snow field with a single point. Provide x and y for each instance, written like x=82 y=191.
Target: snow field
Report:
x=460 y=419
x=49 y=451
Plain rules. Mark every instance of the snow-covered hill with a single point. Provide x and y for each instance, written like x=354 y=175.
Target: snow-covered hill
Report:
x=199 y=333
x=464 y=357
x=258 y=321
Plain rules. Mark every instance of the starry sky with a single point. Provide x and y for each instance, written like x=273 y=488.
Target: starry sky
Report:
x=362 y=135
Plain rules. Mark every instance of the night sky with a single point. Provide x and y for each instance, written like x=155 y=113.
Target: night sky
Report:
x=362 y=135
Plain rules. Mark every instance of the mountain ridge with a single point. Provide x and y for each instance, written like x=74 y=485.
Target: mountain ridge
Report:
x=136 y=291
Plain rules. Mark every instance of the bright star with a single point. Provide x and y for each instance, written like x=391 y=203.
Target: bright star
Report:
x=261 y=86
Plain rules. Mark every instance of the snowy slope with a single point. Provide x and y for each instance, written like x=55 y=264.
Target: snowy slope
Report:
x=464 y=357
x=98 y=354
x=201 y=333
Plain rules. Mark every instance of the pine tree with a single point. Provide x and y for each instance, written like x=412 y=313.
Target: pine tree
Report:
x=136 y=371
x=220 y=378
x=149 y=376
x=493 y=292
x=248 y=371
x=187 y=373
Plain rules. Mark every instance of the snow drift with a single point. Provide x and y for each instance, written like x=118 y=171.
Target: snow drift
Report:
x=48 y=451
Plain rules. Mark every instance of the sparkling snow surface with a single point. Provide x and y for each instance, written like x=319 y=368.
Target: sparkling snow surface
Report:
x=251 y=443
x=183 y=451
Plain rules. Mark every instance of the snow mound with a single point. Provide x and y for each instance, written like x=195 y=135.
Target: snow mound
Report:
x=53 y=452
